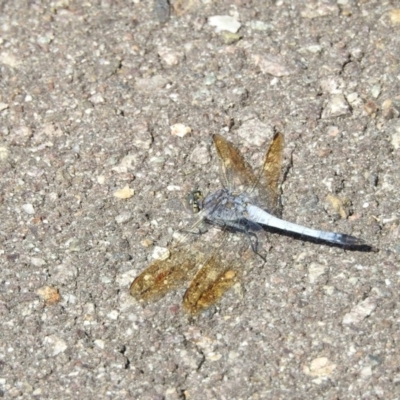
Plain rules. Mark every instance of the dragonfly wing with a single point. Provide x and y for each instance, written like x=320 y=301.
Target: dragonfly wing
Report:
x=218 y=274
x=238 y=175
x=236 y=172
x=266 y=187
x=163 y=275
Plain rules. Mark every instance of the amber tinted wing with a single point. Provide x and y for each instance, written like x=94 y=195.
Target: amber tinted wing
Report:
x=267 y=183
x=161 y=276
x=218 y=274
x=237 y=174
x=209 y=285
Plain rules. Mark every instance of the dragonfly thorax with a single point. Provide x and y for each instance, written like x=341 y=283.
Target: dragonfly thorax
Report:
x=223 y=206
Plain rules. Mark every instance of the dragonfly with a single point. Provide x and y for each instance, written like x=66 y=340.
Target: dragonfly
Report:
x=246 y=205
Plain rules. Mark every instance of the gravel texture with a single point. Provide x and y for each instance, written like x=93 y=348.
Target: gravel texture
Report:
x=106 y=113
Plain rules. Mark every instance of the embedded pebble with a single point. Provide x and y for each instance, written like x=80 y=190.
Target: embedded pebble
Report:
x=141 y=136
x=160 y=253
x=337 y=206
x=124 y=217
x=361 y=311
x=124 y=193
x=21 y=134
x=57 y=344
x=271 y=64
x=319 y=9
x=180 y=130
x=126 y=164
x=4 y=153
x=99 y=343
x=114 y=314
x=255 y=132
x=336 y=106
x=259 y=25
x=376 y=90
x=9 y=59
x=37 y=261
x=200 y=155
x=395 y=140
x=64 y=273
x=230 y=38
x=224 y=23
x=28 y=208
x=3 y=106
x=169 y=56
x=151 y=85
x=389 y=110
x=320 y=367
x=315 y=271
x=394 y=16
x=97 y=98
x=50 y=295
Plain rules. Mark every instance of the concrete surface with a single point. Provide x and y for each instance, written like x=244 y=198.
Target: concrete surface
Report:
x=89 y=92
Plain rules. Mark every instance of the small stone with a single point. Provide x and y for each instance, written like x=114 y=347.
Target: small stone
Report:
x=141 y=136
x=50 y=295
x=315 y=271
x=146 y=243
x=161 y=10
x=395 y=141
x=21 y=134
x=376 y=90
x=213 y=356
x=126 y=164
x=160 y=253
x=99 y=343
x=255 y=132
x=230 y=38
x=3 y=106
x=389 y=110
x=97 y=98
x=366 y=372
x=37 y=262
x=4 y=153
x=28 y=208
x=320 y=367
x=259 y=26
x=394 y=16
x=271 y=64
x=9 y=60
x=151 y=85
x=337 y=206
x=124 y=217
x=209 y=79
x=114 y=314
x=371 y=108
x=57 y=344
x=224 y=23
x=180 y=130
x=336 y=107
x=63 y=274
x=200 y=155
x=169 y=56
x=314 y=48
x=319 y=9
x=361 y=311
x=124 y=193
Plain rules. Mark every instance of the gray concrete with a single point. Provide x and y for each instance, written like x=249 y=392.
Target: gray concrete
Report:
x=88 y=94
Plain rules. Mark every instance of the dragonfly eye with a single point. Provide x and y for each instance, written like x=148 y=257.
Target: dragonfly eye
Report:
x=195 y=201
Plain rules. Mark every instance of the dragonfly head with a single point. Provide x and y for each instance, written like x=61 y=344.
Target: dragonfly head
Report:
x=194 y=200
